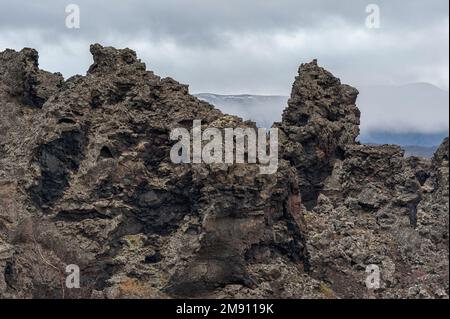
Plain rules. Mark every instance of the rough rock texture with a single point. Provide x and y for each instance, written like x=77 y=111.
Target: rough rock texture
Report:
x=379 y=209
x=320 y=121
x=90 y=182
x=22 y=79
x=86 y=179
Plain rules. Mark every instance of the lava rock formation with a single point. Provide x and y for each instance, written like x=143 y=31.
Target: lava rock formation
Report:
x=86 y=179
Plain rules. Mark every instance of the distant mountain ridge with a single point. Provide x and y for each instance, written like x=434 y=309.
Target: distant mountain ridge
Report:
x=263 y=109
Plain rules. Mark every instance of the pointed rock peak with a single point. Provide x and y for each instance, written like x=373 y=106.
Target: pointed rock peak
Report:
x=320 y=121
x=24 y=81
x=31 y=56
x=312 y=63
x=317 y=93
x=12 y=61
x=109 y=59
x=314 y=80
x=312 y=71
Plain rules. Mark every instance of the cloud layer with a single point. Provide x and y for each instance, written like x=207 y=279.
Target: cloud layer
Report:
x=237 y=46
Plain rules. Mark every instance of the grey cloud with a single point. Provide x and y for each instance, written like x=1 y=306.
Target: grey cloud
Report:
x=203 y=21
x=243 y=46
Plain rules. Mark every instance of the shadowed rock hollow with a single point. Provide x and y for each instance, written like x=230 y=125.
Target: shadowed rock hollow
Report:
x=86 y=179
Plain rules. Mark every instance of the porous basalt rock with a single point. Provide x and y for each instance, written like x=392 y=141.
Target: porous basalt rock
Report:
x=365 y=205
x=320 y=120
x=86 y=179
x=98 y=189
x=21 y=77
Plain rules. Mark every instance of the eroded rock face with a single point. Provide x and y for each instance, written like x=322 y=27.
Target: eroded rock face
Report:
x=380 y=214
x=320 y=120
x=365 y=205
x=86 y=179
x=96 y=187
x=22 y=79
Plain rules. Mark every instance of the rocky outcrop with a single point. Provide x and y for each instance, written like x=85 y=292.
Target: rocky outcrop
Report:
x=22 y=79
x=95 y=186
x=365 y=205
x=320 y=120
x=376 y=210
x=86 y=179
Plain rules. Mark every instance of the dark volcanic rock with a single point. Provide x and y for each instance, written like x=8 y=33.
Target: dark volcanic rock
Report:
x=22 y=79
x=86 y=179
x=321 y=119
x=95 y=187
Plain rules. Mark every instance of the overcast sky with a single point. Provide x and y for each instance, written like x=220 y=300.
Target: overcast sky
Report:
x=242 y=46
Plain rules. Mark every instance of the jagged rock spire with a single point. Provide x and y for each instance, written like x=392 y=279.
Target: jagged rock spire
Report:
x=20 y=74
x=109 y=59
x=320 y=120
